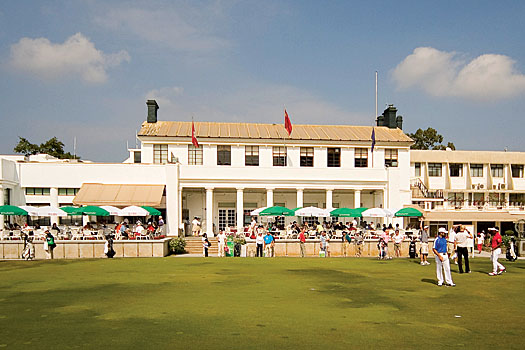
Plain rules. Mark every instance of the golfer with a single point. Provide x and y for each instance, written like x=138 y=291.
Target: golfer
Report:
x=442 y=261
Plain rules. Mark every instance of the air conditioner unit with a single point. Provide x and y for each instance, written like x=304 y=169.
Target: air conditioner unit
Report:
x=501 y=186
x=494 y=187
x=473 y=186
x=481 y=186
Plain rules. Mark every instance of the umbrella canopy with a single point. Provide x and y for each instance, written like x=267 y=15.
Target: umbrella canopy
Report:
x=90 y=210
x=133 y=210
x=50 y=211
x=70 y=210
x=312 y=211
x=151 y=211
x=348 y=212
x=409 y=212
x=377 y=213
x=12 y=210
x=257 y=211
x=31 y=211
x=276 y=211
x=111 y=210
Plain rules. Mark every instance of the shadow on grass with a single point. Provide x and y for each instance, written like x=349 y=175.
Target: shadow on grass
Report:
x=428 y=280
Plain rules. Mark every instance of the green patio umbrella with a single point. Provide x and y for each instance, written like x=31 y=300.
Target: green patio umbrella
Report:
x=347 y=212
x=11 y=210
x=90 y=210
x=409 y=212
x=70 y=210
x=151 y=211
x=276 y=211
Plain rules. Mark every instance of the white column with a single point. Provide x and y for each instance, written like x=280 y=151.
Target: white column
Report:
x=300 y=197
x=329 y=196
x=385 y=206
x=240 y=210
x=53 y=196
x=173 y=220
x=2 y=219
x=269 y=197
x=357 y=198
x=209 y=211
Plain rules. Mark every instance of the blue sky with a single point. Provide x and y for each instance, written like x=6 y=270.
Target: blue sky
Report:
x=84 y=69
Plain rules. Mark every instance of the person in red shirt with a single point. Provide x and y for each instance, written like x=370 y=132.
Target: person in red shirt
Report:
x=302 y=240
x=496 y=251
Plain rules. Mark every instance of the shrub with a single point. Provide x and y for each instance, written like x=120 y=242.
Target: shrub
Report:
x=177 y=245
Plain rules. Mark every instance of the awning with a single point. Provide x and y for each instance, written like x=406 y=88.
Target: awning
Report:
x=469 y=216
x=119 y=195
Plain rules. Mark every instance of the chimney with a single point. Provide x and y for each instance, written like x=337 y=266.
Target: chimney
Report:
x=399 y=122
x=389 y=118
x=152 y=111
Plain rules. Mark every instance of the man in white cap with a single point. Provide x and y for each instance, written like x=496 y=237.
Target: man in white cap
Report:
x=442 y=262
x=423 y=237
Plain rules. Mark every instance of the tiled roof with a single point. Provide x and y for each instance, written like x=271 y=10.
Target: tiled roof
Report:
x=272 y=131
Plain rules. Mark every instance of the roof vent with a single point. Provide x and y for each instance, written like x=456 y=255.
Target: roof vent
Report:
x=152 y=111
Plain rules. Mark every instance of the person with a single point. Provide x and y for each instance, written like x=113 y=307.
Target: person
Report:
x=479 y=241
x=386 y=238
x=319 y=228
x=139 y=228
x=49 y=244
x=354 y=222
x=108 y=247
x=423 y=249
x=195 y=227
x=302 y=241
x=253 y=226
x=29 y=251
x=327 y=244
x=161 y=225
x=268 y=239
x=221 y=238
x=323 y=244
x=497 y=240
x=272 y=246
x=205 y=245
x=124 y=230
x=442 y=259
x=259 y=241
x=358 y=241
x=398 y=239
x=381 y=247
x=451 y=245
x=462 y=248
x=346 y=242
x=55 y=227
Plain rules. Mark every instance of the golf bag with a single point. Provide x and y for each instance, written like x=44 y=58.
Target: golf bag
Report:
x=412 y=250
x=29 y=250
x=108 y=248
x=511 y=251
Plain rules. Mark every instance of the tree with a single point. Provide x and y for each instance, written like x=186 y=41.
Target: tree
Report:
x=429 y=139
x=54 y=147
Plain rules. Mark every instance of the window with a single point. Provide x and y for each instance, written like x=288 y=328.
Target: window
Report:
x=279 y=156
x=137 y=157
x=35 y=191
x=333 y=157
x=456 y=198
x=307 y=156
x=434 y=169
x=194 y=155
x=391 y=157
x=417 y=168
x=476 y=170
x=456 y=169
x=517 y=170
x=67 y=191
x=7 y=196
x=160 y=154
x=496 y=170
x=361 y=158
x=251 y=155
x=224 y=155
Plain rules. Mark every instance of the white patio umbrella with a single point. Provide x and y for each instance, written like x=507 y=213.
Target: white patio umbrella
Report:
x=257 y=211
x=31 y=211
x=133 y=210
x=378 y=213
x=113 y=210
x=312 y=211
x=50 y=211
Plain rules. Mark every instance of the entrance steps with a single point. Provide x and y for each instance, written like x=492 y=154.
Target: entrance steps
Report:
x=194 y=245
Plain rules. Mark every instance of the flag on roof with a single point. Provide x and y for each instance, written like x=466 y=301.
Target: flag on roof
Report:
x=287 y=123
x=193 y=138
x=373 y=138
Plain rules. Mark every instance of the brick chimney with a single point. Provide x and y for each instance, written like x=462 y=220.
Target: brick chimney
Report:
x=152 y=111
x=389 y=118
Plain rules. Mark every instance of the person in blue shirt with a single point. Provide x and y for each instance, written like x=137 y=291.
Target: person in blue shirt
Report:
x=442 y=259
x=268 y=239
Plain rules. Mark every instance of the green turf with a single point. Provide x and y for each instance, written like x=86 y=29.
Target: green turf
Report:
x=281 y=303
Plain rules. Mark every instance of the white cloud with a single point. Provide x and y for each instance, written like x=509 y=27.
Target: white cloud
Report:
x=256 y=103
x=178 y=26
x=440 y=73
x=77 y=56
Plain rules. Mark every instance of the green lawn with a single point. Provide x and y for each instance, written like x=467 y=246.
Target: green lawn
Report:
x=236 y=303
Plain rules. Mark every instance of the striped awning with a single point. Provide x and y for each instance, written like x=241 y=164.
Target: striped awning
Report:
x=469 y=216
x=119 y=195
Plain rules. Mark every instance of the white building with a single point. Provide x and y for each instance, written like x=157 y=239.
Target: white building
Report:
x=237 y=168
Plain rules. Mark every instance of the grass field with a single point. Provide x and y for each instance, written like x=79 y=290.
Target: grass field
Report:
x=280 y=303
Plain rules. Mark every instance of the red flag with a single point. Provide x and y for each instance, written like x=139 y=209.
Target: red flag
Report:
x=193 y=138
x=287 y=123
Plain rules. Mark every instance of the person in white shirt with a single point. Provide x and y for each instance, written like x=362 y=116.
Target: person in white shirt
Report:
x=398 y=239
x=253 y=225
x=451 y=245
x=461 y=240
x=139 y=228
x=196 y=227
x=259 y=240
x=221 y=238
